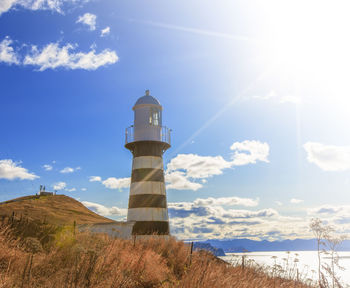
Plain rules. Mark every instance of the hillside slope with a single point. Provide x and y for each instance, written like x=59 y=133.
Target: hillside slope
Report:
x=55 y=209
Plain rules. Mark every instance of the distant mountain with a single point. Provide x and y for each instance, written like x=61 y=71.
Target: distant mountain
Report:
x=208 y=247
x=238 y=245
x=52 y=209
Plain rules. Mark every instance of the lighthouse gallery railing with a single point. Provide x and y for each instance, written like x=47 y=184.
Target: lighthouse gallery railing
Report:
x=163 y=134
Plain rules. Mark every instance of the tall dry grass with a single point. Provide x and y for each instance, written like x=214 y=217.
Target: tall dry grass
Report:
x=72 y=259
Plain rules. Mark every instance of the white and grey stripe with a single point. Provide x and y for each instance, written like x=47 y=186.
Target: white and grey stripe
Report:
x=147 y=187
x=147 y=200
x=148 y=214
x=154 y=162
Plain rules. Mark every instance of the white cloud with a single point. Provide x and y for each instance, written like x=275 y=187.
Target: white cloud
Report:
x=211 y=218
x=330 y=209
x=177 y=180
x=7 y=53
x=279 y=203
x=103 y=210
x=89 y=20
x=53 y=56
x=71 y=189
x=185 y=169
x=105 y=32
x=115 y=183
x=83 y=189
x=227 y=201
x=59 y=185
x=53 y=5
x=296 y=201
x=256 y=151
x=6 y=5
x=67 y=170
x=233 y=213
x=95 y=179
x=328 y=157
x=336 y=215
x=207 y=218
x=197 y=166
x=11 y=170
x=213 y=207
x=47 y=167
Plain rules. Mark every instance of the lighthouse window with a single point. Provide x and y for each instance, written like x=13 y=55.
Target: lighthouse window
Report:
x=154 y=117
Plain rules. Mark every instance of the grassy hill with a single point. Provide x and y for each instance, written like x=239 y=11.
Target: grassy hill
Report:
x=55 y=209
x=51 y=253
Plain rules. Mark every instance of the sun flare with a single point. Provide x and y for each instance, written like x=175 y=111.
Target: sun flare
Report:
x=307 y=44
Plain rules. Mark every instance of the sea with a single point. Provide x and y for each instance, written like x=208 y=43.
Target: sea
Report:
x=301 y=264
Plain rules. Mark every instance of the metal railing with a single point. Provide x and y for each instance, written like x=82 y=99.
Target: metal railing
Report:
x=149 y=132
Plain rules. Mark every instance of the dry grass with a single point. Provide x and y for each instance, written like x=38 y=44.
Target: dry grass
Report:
x=92 y=260
x=55 y=209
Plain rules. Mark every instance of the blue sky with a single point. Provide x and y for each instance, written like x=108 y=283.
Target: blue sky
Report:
x=255 y=92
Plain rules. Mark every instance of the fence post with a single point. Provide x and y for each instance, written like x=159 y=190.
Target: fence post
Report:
x=191 y=253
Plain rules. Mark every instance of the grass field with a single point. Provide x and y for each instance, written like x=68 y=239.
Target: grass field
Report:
x=33 y=254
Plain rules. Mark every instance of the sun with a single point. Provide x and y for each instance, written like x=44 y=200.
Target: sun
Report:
x=307 y=46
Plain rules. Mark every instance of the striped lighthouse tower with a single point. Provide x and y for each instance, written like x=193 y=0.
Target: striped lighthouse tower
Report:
x=147 y=139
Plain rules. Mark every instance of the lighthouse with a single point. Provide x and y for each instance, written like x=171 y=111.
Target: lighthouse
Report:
x=147 y=140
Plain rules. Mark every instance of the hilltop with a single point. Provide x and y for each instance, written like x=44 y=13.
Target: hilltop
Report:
x=52 y=209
